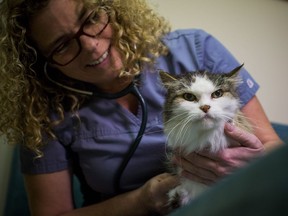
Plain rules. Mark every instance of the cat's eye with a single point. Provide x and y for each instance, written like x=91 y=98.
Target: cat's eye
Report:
x=217 y=94
x=189 y=97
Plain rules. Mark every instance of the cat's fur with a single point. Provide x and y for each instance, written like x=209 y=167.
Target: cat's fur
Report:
x=196 y=109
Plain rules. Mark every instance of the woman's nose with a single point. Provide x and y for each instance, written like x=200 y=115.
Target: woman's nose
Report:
x=89 y=43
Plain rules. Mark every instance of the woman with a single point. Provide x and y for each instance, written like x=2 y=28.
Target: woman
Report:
x=63 y=64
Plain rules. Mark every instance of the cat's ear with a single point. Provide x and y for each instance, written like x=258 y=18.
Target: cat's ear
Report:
x=235 y=71
x=166 y=77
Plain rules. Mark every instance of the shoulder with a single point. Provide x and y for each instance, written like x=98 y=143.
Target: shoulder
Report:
x=185 y=33
x=198 y=48
x=185 y=36
x=187 y=48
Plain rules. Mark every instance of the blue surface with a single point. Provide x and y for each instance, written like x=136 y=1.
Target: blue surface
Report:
x=282 y=131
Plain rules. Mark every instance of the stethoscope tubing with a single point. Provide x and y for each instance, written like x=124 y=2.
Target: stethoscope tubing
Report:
x=131 y=88
x=134 y=90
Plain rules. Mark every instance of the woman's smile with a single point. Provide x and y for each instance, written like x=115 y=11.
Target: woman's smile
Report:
x=100 y=59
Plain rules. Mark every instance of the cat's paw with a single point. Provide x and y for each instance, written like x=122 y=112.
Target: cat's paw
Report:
x=174 y=201
x=185 y=199
x=178 y=197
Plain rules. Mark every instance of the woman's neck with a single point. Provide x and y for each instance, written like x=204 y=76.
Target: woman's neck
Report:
x=116 y=85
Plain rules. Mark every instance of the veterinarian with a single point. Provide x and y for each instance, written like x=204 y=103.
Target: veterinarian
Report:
x=80 y=93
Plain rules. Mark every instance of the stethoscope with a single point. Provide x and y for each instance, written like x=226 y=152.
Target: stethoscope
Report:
x=131 y=88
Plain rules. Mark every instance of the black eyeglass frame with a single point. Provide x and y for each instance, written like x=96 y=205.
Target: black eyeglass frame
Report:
x=79 y=33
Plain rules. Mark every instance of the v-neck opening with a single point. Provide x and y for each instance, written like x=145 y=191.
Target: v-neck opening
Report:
x=135 y=117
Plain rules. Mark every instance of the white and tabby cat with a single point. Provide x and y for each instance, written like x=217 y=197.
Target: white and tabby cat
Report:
x=197 y=107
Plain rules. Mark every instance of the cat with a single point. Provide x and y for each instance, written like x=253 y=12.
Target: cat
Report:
x=196 y=108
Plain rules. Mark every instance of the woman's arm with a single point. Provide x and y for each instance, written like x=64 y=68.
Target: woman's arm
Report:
x=207 y=168
x=51 y=194
x=262 y=127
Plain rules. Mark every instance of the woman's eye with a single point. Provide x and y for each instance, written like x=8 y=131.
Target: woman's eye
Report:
x=189 y=97
x=94 y=18
x=217 y=94
x=62 y=48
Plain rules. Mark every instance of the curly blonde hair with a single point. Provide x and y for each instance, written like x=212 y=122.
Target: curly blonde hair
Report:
x=27 y=99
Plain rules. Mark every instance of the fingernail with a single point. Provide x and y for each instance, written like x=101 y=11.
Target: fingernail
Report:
x=229 y=127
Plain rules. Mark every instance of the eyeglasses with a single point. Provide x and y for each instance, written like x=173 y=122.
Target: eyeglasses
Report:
x=93 y=26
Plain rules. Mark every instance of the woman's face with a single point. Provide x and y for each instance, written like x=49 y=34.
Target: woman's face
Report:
x=60 y=20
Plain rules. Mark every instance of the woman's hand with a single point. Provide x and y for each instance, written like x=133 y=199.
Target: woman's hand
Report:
x=155 y=192
x=207 y=168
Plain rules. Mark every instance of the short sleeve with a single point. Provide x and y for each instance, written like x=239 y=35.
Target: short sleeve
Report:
x=57 y=154
x=55 y=158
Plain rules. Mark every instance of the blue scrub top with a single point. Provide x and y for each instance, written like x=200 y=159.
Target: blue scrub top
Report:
x=106 y=130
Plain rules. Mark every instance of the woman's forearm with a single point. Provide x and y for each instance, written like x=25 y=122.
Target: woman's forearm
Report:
x=125 y=204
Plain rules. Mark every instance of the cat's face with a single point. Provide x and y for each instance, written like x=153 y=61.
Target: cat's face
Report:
x=202 y=99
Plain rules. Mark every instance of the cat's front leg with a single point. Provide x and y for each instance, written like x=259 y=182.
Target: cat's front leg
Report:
x=176 y=196
x=185 y=193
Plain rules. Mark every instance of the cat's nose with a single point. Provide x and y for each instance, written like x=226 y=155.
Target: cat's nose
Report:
x=205 y=108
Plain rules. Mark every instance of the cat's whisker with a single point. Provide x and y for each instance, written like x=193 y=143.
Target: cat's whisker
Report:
x=153 y=132
x=178 y=137
x=174 y=128
x=182 y=130
x=185 y=128
x=176 y=117
x=180 y=133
